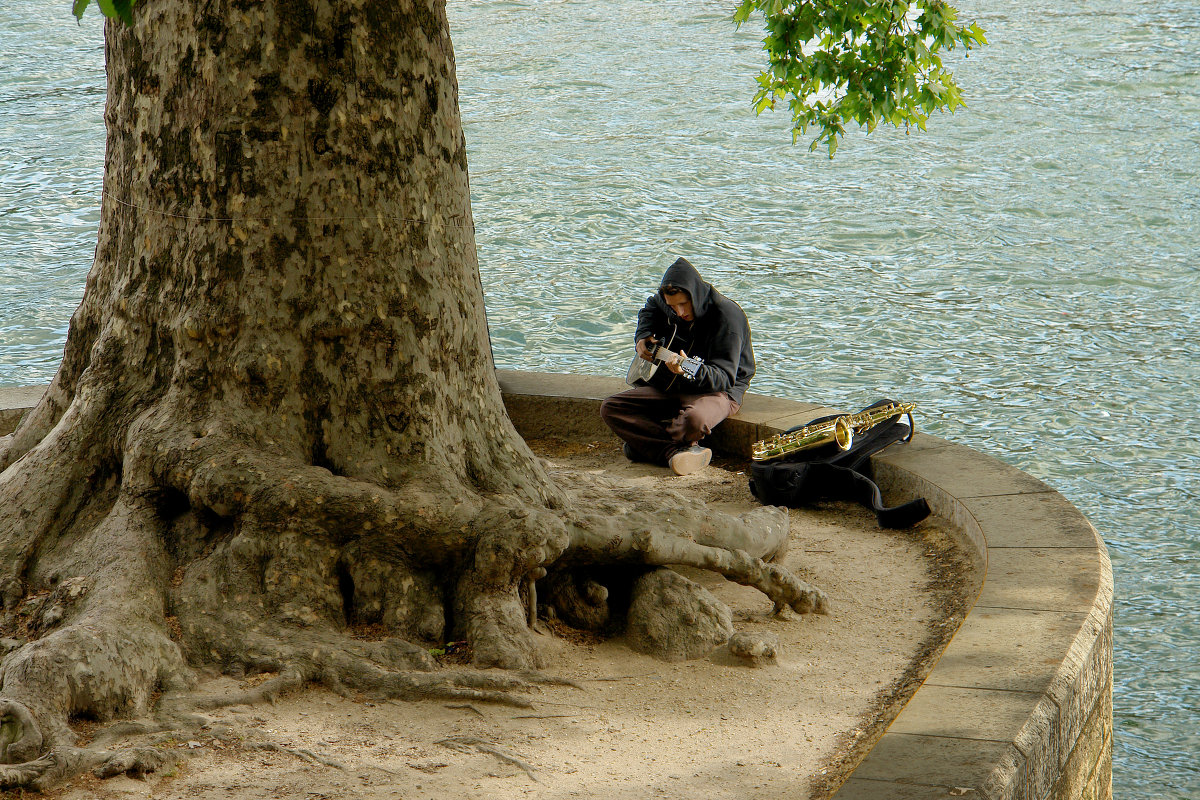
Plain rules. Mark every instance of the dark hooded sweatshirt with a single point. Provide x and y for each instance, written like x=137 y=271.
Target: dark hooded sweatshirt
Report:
x=719 y=334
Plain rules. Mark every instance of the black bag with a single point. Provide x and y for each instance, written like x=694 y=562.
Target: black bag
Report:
x=827 y=472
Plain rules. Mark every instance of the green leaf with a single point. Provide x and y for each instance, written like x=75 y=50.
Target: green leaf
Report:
x=870 y=61
x=117 y=9
x=78 y=7
x=743 y=12
x=124 y=10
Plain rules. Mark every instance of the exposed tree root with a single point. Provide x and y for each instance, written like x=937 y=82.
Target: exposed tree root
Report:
x=784 y=589
x=63 y=762
x=299 y=752
x=469 y=744
x=263 y=564
x=615 y=525
x=202 y=547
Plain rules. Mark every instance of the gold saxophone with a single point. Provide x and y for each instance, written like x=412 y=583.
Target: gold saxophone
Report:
x=839 y=430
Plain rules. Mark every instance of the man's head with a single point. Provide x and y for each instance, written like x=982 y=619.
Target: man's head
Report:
x=679 y=300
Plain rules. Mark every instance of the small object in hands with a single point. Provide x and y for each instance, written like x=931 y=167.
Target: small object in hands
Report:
x=694 y=459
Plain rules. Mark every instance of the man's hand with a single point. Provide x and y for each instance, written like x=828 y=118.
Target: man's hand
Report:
x=645 y=347
x=674 y=362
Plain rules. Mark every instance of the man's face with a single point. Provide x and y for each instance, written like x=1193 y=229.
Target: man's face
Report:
x=681 y=304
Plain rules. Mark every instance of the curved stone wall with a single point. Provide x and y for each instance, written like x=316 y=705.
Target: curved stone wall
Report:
x=1020 y=704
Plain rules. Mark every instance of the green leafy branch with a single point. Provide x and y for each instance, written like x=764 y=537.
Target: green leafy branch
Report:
x=122 y=9
x=864 y=61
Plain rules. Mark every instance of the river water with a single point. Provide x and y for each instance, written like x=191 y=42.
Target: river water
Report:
x=1026 y=271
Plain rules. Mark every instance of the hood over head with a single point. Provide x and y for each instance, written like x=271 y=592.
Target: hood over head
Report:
x=683 y=275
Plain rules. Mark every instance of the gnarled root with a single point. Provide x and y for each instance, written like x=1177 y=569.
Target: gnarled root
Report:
x=206 y=549
x=29 y=773
x=784 y=588
x=257 y=564
x=345 y=668
x=619 y=525
x=62 y=761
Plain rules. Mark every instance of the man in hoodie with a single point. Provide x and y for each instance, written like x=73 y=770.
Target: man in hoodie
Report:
x=662 y=420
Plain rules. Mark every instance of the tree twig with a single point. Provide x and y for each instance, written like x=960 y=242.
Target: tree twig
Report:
x=468 y=707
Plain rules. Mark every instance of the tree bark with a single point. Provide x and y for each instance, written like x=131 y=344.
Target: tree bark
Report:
x=277 y=419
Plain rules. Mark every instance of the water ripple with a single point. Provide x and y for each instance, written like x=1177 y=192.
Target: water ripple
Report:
x=1027 y=272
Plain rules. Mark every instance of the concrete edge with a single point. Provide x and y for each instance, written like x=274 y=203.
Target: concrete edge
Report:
x=1016 y=706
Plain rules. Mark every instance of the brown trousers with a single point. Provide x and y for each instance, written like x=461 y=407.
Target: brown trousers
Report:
x=657 y=425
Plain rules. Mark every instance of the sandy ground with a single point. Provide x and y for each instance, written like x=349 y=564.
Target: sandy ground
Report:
x=636 y=727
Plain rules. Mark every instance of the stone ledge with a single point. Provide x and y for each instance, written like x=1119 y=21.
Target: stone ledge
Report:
x=1012 y=708
x=14 y=402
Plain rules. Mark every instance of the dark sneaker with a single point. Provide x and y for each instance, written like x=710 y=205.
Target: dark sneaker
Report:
x=628 y=451
x=694 y=459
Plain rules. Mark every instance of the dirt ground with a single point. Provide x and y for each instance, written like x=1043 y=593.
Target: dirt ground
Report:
x=635 y=727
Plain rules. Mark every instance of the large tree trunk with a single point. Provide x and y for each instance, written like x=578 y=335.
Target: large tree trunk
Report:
x=277 y=416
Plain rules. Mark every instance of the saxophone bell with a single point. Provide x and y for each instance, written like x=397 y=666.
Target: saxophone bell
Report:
x=843 y=433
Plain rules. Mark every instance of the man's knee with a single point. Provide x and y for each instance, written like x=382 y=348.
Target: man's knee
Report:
x=689 y=427
x=608 y=407
x=697 y=420
x=615 y=412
